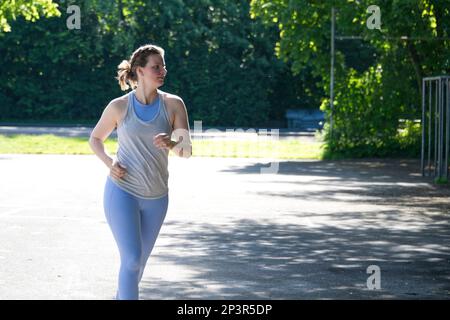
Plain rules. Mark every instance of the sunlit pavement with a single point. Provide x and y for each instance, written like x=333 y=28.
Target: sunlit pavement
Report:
x=309 y=231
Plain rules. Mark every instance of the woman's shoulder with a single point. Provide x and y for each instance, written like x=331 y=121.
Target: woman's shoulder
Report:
x=120 y=103
x=169 y=97
x=118 y=108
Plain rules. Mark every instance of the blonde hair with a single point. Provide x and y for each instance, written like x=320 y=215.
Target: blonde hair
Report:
x=126 y=71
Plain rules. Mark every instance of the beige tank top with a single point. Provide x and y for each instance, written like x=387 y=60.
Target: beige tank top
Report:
x=147 y=175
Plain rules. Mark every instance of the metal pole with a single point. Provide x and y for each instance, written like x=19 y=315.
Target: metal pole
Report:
x=333 y=21
x=435 y=128
x=441 y=131
x=430 y=112
x=422 y=153
x=447 y=137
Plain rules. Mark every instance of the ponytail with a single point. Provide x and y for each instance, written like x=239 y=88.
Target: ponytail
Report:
x=124 y=75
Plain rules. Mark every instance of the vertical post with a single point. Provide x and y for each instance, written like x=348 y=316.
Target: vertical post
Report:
x=435 y=128
x=422 y=153
x=430 y=113
x=441 y=131
x=333 y=21
x=447 y=136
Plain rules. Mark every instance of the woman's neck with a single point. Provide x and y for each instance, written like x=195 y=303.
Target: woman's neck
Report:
x=146 y=95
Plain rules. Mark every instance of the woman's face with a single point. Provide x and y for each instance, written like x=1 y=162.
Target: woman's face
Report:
x=154 y=71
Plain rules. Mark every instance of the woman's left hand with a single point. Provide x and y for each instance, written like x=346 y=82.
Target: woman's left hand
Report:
x=163 y=141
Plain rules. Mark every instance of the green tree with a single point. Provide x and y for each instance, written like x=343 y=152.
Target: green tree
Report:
x=219 y=60
x=370 y=98
x=30 y=10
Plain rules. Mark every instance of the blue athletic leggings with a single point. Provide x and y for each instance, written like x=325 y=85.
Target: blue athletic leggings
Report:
x=135 y=224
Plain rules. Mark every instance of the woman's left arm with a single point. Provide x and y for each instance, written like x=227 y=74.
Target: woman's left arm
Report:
x=181 y=145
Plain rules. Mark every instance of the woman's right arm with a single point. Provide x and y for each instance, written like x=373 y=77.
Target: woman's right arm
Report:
x=101 y=132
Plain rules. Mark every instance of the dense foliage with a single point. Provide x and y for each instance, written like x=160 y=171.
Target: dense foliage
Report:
x=220 y=61
x=234 y=62
x=378 y=75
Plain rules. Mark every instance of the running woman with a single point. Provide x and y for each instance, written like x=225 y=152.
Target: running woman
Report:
x=149 y=123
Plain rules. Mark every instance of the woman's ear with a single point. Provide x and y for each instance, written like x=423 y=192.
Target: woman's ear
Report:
x=140 y=71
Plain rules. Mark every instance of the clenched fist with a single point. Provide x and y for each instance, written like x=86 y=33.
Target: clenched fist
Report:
x=117 y=170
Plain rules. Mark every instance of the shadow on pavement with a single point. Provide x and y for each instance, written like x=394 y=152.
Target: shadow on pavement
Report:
x=395 y=182
x=250 y=260
x=309 y=232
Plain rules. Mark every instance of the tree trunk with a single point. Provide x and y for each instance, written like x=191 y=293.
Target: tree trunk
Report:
x=121 y=16
x=416 y=63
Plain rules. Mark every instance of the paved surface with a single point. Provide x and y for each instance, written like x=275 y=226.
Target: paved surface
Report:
x=308 y=232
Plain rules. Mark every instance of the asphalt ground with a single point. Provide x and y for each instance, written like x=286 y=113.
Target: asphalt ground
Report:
x=309 y=231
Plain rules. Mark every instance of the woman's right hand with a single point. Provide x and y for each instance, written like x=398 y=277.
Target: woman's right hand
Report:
x=117 y=170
